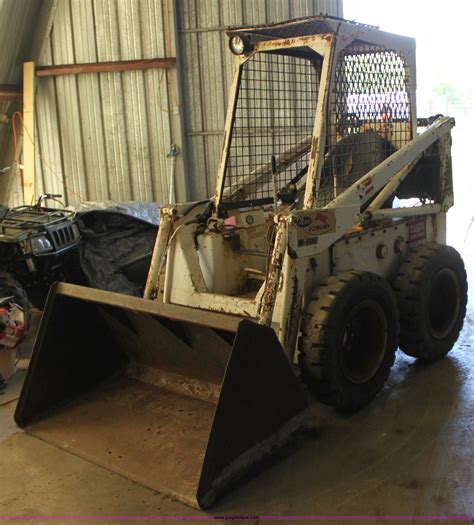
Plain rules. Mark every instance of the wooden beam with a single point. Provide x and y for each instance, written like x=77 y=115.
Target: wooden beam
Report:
x=105 y=67
x=29 y=132
x=8 y=93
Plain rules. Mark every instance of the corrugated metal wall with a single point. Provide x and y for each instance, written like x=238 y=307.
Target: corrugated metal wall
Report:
x=206 y=77
x=104 y=135
x=107 y=135
x=17 y=24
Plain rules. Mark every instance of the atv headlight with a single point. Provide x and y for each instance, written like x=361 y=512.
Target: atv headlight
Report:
x=239 y=44
x=40 y=245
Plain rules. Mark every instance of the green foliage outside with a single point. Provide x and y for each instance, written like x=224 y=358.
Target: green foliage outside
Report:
x=459 y=99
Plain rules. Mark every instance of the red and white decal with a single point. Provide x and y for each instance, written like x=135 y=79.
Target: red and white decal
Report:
x=12 y=323
x=417 y=230
x=366 y=187
x=312 y=224
x=323 y=218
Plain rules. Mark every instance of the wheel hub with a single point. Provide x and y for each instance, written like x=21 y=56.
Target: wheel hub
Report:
x=364 y=341
x=443 y=303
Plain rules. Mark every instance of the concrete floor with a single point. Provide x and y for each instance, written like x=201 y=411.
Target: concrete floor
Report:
x=409 y=453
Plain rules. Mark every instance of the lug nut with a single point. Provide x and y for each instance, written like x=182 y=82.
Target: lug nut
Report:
x=381 y=251
x=399 y=245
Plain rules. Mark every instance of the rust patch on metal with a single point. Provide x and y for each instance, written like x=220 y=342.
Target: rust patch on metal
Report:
x=314 y=147
x=302 y=41
x=293 y=314
x=328 y=37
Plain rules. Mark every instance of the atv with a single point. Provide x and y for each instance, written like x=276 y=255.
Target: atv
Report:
x=38 y=246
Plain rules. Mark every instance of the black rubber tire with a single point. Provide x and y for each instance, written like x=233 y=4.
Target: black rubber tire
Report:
x=431 y=289
x=9 y=286
x=349 y=380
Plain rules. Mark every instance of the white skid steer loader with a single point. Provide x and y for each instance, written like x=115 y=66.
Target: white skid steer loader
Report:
x=301 y=254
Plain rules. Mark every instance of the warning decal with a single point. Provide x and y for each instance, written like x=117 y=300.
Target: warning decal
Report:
x=417 y=230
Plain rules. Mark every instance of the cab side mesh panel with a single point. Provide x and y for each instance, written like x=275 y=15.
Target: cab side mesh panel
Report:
x=274 y=116
x=370 y=116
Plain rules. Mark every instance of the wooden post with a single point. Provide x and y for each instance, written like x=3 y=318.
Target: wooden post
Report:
x=29 y=132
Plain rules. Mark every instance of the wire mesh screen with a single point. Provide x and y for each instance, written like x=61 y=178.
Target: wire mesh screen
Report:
x=370 y=116
x=274 y=116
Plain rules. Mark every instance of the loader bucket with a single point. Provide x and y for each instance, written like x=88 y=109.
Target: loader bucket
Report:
x=178 y=399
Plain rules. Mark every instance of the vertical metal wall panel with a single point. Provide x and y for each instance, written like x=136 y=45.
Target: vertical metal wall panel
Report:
x=193 y=79
x=208 y=66
x=156 y=95
x=39 y=168
x=67 y=95
x=108 y=50
x=49 y=174
x=135 y=102
x=90 y=108
x=213 y=109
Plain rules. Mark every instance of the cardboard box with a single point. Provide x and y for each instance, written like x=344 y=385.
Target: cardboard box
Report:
x=7 y=362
